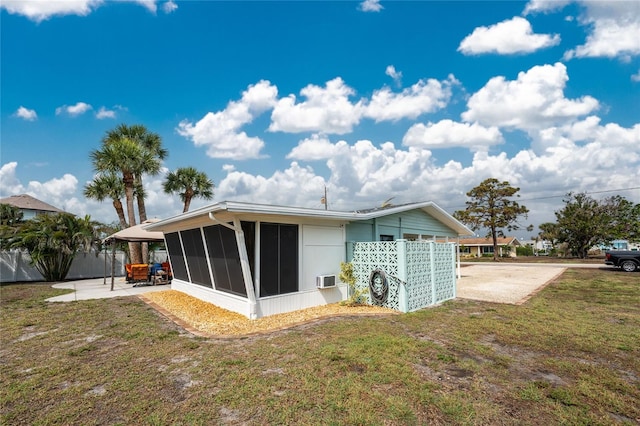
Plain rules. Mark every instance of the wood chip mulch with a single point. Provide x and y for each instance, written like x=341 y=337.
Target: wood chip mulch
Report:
x=208 y=320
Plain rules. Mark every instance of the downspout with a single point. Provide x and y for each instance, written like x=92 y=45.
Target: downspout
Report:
x=244 y=262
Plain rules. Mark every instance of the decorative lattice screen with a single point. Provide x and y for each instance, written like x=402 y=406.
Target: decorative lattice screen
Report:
x=370 y=256
x=419 y=274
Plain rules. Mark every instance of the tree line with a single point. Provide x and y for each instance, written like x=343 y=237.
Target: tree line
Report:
x=126 y=154
x=581 y=224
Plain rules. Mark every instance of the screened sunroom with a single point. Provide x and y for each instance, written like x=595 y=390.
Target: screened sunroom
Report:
x=260 y=260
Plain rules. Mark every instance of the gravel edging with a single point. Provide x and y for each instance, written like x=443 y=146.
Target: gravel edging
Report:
x=191 y=328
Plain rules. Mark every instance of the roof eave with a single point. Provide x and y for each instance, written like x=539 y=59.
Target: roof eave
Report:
x=240 y=207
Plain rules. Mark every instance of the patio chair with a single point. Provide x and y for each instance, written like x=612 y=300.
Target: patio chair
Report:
x=137 y=272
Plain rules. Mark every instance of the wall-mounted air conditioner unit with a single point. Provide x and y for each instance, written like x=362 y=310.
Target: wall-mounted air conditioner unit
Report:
x=325 y=281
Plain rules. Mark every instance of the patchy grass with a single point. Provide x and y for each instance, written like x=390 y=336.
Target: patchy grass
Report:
x=569 y=355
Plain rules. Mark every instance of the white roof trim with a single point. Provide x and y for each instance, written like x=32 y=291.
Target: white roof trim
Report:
x=241 y=207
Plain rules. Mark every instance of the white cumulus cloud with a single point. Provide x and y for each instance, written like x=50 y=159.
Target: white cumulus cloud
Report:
x=371 y=6
x=41 y=10
x=10 y=183
x=395 y=75
x=545 y=5
x=26 y=114
x=450 y=134
x=169 y=7
x=325 y=109
x=423 y=97
x=316 y=147
x=103 y=113
x=220 y=131
x=295 y=186
x=612 y=27
x=512 y=36
x=534 y=100
x=610 y=38
x=74 y=110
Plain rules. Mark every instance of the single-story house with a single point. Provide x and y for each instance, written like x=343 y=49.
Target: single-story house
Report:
x=478 y=247
x=30 y=206
x=260 y=260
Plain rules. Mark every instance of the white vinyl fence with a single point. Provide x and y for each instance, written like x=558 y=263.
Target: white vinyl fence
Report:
x=15 y=267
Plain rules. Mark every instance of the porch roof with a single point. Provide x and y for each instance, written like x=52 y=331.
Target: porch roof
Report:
x=479 y=242
x=234 y=207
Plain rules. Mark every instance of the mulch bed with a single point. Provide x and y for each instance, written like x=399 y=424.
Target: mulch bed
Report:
x=208 y=320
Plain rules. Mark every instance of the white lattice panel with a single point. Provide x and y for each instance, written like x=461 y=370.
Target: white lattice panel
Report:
x=445 y=274
x=430 y=271
x=381 y=255
x=419 y=287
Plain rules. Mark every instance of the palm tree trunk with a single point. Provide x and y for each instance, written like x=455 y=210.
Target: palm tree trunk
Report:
x=134 y=248
x=142 y=212
x=117 y=204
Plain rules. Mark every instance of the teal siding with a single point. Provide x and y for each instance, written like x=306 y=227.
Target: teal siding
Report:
x=411 y=222
x=360 y=231
x=415 y=222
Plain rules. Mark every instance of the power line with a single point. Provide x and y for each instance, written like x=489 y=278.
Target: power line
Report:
x=548 y=197
x=587 y=193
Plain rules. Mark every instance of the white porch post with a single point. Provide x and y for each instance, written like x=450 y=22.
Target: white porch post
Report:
x=403 y=297
x=244 y=262
x=246 y=268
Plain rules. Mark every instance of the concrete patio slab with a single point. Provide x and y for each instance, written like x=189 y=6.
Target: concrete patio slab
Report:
x=97 y=289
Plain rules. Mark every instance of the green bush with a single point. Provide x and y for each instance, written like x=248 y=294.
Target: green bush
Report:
x=356 y=296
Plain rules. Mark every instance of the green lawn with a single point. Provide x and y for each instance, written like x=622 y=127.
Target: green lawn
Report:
x=570 y=355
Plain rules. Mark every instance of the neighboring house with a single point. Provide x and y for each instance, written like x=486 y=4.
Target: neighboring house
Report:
x=539 y=247
x=29 y=206
x=622 y=245
x=261 y=260
x=478 y=247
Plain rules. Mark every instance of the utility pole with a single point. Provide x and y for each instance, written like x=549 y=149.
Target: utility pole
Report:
x=324 y=199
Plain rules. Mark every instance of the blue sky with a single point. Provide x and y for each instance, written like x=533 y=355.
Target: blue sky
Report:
x=276 y=100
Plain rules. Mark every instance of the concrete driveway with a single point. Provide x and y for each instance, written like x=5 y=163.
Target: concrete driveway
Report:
x=512 y=283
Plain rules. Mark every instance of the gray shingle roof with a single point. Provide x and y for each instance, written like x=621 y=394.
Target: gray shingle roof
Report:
x=27 y=202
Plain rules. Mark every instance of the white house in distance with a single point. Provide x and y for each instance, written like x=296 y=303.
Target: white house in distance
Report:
x=478 y=247
x=260 y=260
x=29 y=206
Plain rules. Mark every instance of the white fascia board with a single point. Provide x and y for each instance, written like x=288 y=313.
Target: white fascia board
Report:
x=265 y=209
x=250 y=208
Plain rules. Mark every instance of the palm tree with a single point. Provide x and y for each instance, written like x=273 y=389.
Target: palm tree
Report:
x=130 y=152
x=11 y=218
x=125 y=157
x=188 y=183
x=53 y=241
x=108 y=185
x=151 y=144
